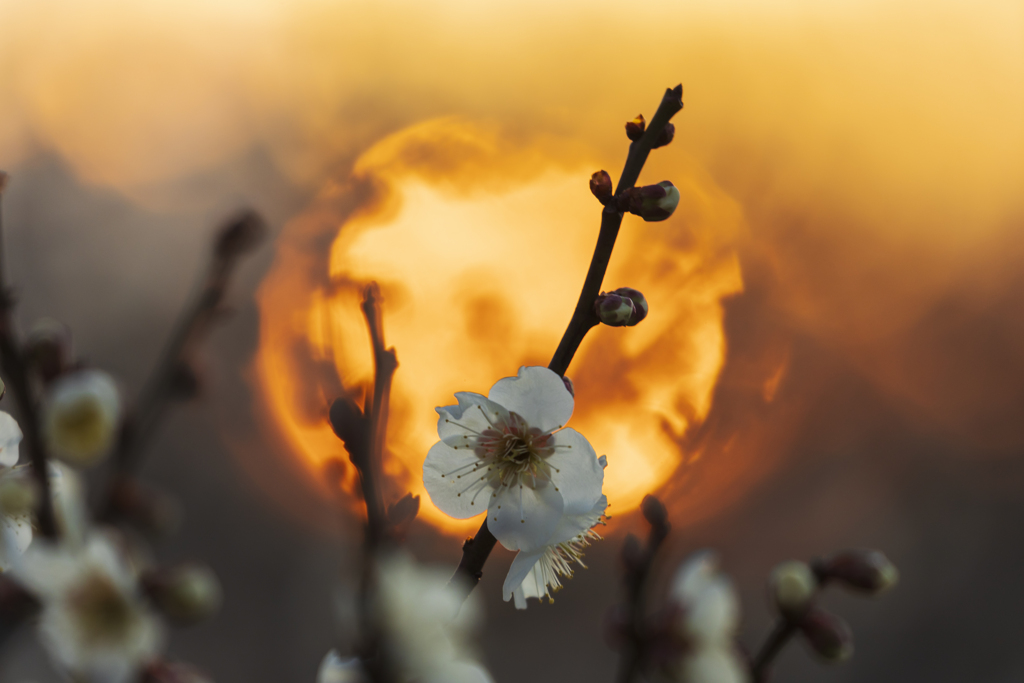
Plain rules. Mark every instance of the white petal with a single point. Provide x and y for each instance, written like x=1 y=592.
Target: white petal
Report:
x=522 y=517
x=576 y=472
x=539 y=395
x=571 y=526
x=17 y=535
x=473 y=414
x=453 y=481
x=334 y=669
x=458 y=672
x=713 y=665
x=694 y=576
x=714 y=616
x=520 y=598
x=10 y=437
x=522 y=565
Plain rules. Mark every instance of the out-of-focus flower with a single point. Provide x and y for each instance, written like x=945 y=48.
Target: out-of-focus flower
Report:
x=707 y=622
x=869 y=571
x=94 y=622
x=334 y=669
x=14 y=515
x=828 y=635
x=654 y=202
x=792 y=586
x=538 y=573
x=427 y=629
x=186 y=594
x=509 y=454
x=81 y=416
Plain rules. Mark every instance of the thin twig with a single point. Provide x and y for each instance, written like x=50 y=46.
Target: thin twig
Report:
x=638 y=564
x=173 y=376
x=12 y=363
x=783 y=630
x=476 y=550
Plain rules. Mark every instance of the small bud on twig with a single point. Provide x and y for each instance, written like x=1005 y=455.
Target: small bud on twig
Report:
x=635 y=128
x=241 y=234
x=601 y=186
x=654 y=202
x=152 y=512
x=403 y=512
x=654 y=511
x=792 y=586
x=665 y=136
x=639 y=304
x=828 y=635
x=869 y=571
x=614 y=310
x=569 y=386
x=351 y=426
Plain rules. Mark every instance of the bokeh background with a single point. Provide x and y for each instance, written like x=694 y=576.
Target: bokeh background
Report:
x=833 y=357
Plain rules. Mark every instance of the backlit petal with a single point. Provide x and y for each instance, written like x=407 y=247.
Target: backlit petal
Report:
x=539 y=395
x=523 y=517
x=453 y=479
x=575 y=471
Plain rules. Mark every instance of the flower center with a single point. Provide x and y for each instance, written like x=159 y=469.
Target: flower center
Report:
x=104 y=613
x=514 y=448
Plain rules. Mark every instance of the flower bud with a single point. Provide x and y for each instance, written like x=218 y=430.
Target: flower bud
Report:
x=828 y=635
x=665 y=136
x=601 y=186
x=242 y=233
x=654 y=202
x=614 y=310
x=570 y=387
x=654 y=511
x=81 y=417
x=792 y=586
x=350 y=425
x=865 y=570
x=636 y=127
x=639 y=304
x=402 y=512
x=187 y=594
x=48 y=350
x=18 y=495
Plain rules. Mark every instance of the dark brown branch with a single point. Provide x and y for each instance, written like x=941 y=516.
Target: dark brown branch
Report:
x=475 y=551
x=783 y=630
x=174 y=377
x=14 y=369
x=638 y=562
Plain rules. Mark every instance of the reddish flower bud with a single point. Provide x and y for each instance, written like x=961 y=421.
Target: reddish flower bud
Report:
x=665 y=136
x=636 y=127
x=828 y=635
x=639 y=304
x=614 y=310
x=569 y=386
x=865 y=570
x=654 y=202
x=654 y=511
x=601 y=186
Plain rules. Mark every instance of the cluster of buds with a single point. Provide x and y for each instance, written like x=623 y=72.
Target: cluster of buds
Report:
x=794 y=587
x=653 y=203
x=623 y=307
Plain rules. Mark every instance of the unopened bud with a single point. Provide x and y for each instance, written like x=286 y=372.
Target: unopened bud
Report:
x=792 y=586
x=350 y=426
x=569 y=386
x=614 y=310
x=48 y=350
x=654 y=511
x=601 y=186
x=403 y=512
x=187 y=594
x=241 y=234
x=18 y=495
x=865 y=570
x=665 y=136
x=654 y=202
x=828 y=635
x=639 y=304
x=636 y=127
x=172 y=672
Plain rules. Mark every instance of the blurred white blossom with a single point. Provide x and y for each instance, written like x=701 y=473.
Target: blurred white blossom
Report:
x=95 y=623
x=508 y=453
x=17 y=524
x=426 y=626
x=334 y=669
x=708 y=618
x=81 y=416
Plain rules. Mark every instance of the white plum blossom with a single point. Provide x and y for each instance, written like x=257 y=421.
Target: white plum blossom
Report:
x=17 y=524
x=709 y=617
x=80 y=416
x=427 y=627
x=509 y=454
x=94 y=623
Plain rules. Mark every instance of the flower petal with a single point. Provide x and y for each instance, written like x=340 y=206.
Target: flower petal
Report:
x=457 y=424
x=523 y=517
x=10 y=437
x=539 y=395
x=571 y=525
x=522 y=566
x=714 y=665
x=576 y=471
x=454 y=483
